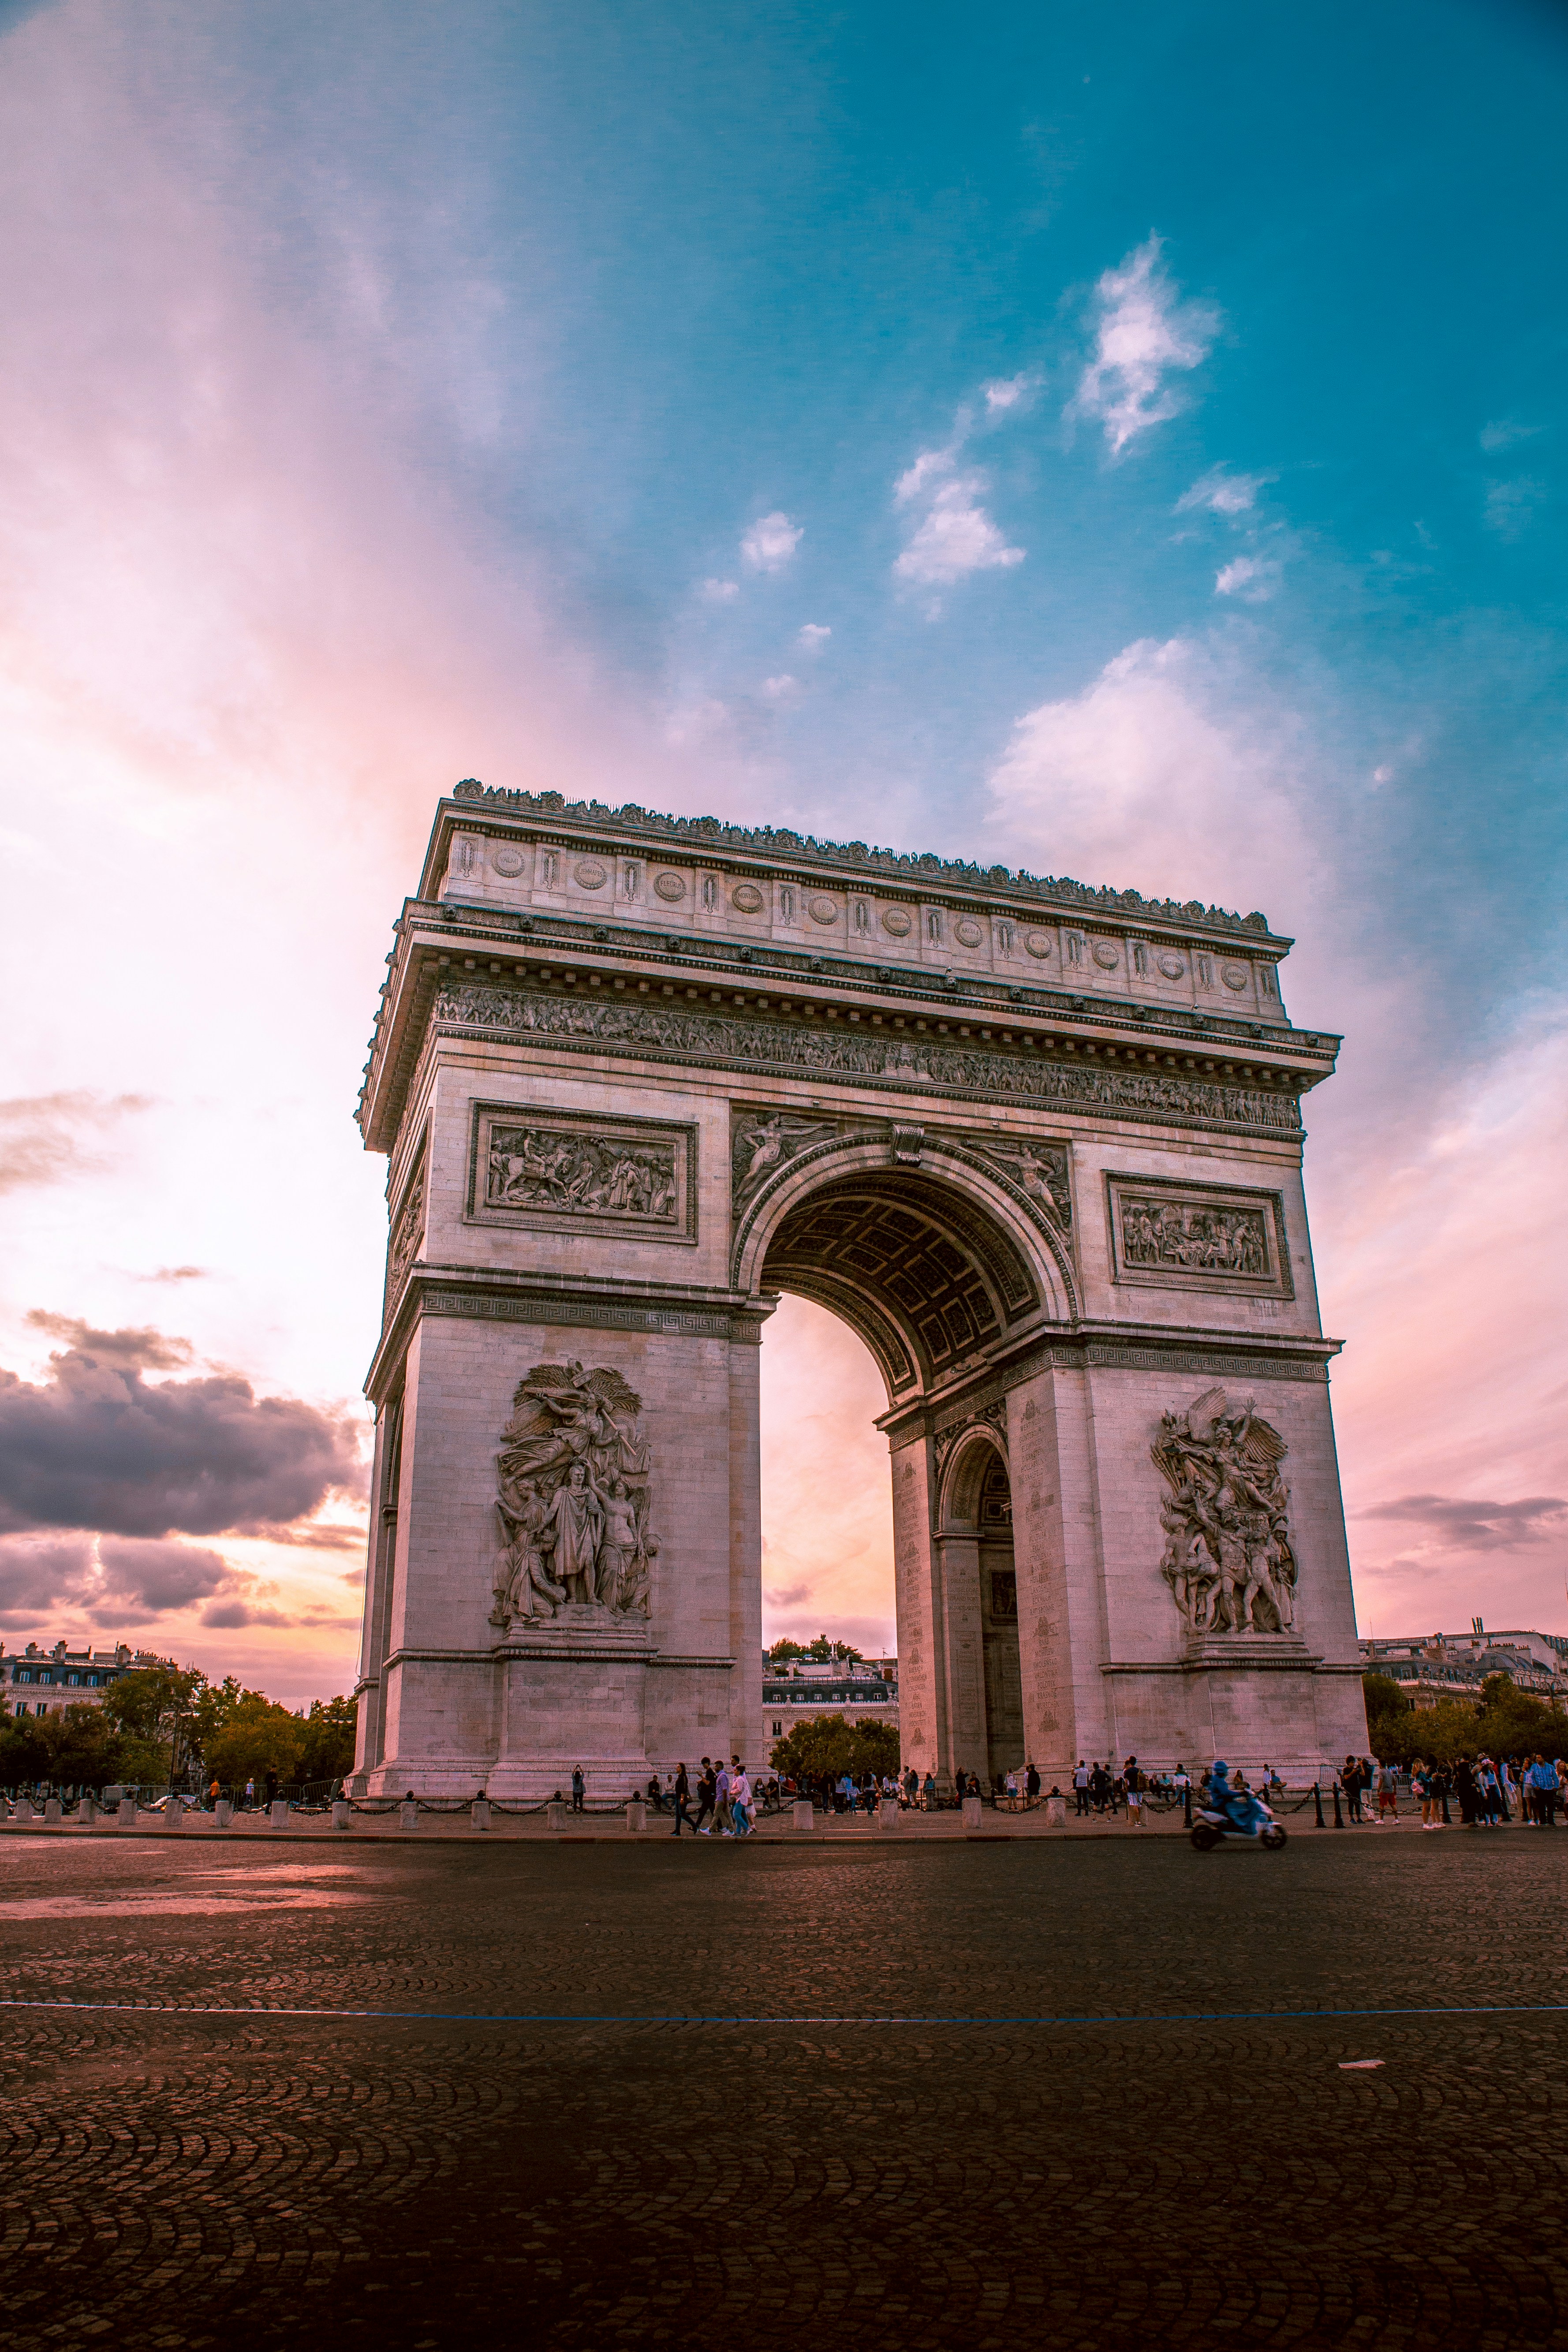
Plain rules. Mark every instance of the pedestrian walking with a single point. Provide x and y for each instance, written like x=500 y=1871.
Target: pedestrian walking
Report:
x=740 y=1803
x=1387 y=1790
x=682 y=1798
x=250 y=1795
x=1134 y=1797
x=720 y=1800
x=1080 y=1787
x=707 y=1794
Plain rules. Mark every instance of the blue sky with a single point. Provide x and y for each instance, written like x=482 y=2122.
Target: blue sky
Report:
x=1126 y=443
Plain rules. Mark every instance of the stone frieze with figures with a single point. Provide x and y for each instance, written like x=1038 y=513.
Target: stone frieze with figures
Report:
x=857 y=1055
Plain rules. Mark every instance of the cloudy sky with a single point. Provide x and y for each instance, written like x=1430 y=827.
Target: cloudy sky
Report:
x=1127 y=442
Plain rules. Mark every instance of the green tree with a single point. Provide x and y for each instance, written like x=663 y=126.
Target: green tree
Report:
x=24 y=1751
x=258 y=1737
x=828 y=1744
x=1389 y=1719
x=329 y=1748
x=84 y=1749
x=821 y=1649
x=156 y=1711
x=1512 y=1722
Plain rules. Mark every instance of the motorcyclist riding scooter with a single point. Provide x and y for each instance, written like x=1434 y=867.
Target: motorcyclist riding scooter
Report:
x=1233 y=1813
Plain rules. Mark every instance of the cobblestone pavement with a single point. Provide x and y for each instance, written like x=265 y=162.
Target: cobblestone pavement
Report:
x=813 y=2173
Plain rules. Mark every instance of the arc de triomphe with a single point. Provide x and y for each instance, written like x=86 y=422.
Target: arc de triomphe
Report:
x=1039 y=1144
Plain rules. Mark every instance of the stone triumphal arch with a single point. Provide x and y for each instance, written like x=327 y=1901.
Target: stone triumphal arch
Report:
x=1039 y=1144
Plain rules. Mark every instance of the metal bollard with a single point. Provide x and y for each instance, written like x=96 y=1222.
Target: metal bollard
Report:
x=1188 y=1806
x=1339 y=1817
x=1318 y=1804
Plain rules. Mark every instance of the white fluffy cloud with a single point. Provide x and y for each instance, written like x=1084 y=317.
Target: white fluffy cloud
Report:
x=771 y=541
x=955 y=537
x=721 y=592
x=813 y=637
x=780 y=689
x=1169 y=771
x=1008 y=393
x=1253 y=578
x=1221 y=493
x=1144 y=334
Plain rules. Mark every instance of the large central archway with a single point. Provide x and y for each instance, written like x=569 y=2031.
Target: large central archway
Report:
x=942 y=1276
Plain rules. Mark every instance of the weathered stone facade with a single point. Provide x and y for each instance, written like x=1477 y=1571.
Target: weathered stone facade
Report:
x=1040 y=1145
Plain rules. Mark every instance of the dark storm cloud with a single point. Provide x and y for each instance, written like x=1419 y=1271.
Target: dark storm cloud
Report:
x=96 y=1445
x=1461 y=1524
x=47 y=1139
x=38 y=1573
x=142 y=1578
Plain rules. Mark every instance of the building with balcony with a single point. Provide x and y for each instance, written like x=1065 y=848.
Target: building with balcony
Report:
x=855 y=1688
x=41 y=1682
x=1433 y=1666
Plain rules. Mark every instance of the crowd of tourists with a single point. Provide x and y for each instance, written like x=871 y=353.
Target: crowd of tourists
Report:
x=1489 y=1791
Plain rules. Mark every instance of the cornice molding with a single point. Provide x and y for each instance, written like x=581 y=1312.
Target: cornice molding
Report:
x=481 y=1295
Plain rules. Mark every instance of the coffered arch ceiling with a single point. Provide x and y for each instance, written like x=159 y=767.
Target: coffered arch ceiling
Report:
x=928 y=1280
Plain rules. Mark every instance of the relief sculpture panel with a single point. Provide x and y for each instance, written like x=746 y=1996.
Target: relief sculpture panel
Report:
x=1197 y=1237
x=1228 y=1557
x=562 y=1170
x=572 y=1478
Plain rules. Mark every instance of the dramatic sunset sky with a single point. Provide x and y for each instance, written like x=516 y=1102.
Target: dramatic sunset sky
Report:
x=1126 y=442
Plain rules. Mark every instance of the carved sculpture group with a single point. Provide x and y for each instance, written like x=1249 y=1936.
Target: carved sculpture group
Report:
x=573 y=1174
x=1198 y=1239
x=1228 y=1559
x=572 y=1478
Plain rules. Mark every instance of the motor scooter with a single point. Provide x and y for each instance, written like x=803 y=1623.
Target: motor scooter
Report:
x=1252 y=1818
